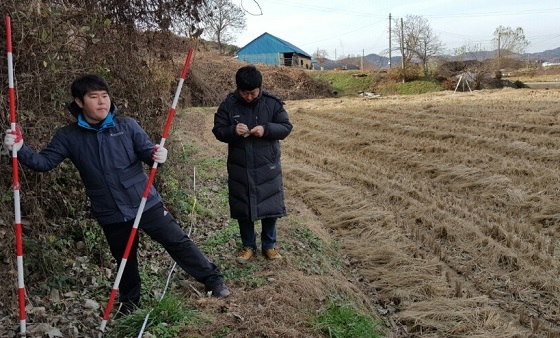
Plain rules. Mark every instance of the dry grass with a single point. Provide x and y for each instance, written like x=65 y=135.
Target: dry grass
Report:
x=445 y=206
x=446 y=203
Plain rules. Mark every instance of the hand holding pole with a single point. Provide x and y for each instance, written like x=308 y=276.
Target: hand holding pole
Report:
x=15 y=170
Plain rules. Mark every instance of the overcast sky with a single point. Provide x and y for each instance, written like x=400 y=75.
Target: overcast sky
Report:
x=353 y=27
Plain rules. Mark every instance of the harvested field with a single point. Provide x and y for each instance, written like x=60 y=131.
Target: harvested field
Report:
x=447 y=204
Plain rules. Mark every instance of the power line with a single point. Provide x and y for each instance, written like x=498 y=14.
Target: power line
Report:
x=338 y=35
x=303 y=7
x=446 y=15
x=324 y=9
x=253 y=14
x=496 y=13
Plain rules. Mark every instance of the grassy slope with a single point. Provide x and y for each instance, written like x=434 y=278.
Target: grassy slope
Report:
x=349 y=83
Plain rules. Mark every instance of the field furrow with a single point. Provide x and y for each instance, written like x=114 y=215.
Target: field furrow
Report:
x=447 y=204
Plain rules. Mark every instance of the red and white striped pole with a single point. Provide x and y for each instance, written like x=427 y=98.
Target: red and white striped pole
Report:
x=170 y=116
x=17 y=208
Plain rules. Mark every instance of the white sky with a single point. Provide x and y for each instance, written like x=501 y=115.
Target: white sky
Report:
x=353 y=27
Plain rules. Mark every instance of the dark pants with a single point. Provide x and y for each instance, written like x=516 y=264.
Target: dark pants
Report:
x=268 y=234
x=161 y=227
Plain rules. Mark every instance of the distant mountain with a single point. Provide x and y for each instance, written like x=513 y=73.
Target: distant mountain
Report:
x=327 y=64
x=354 y=63
x=552 y=55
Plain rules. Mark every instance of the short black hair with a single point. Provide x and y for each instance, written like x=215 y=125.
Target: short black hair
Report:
x=248 y=78
x=87 y=83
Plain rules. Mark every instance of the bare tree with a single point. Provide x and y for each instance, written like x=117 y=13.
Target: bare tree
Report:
x=222 y=19
x=417 y=40
x=320 y=54
x=468 y=51
x=509 y=41
x=430 y=46
x=146 y=14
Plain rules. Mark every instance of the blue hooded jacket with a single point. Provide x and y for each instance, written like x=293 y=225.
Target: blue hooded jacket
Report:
x=109 y=160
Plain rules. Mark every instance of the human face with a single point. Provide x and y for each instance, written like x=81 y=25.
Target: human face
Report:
x=95 y=105
x=249 y=95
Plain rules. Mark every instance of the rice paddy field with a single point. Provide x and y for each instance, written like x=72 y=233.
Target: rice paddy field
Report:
x=444 y=208
x=447 y=204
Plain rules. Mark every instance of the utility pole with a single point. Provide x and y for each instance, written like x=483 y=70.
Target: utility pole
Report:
x=362 y=61
x=499 y=47
x=402 y=52
x=389 y=40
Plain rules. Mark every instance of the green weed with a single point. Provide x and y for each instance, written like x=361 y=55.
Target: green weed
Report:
x=43 y=260
x=343 y=321
x=166 y=319
x=221 y=237
x=7 y=196
x=210 y=167
x=93 y=237
x=308 y=239
x=179 y=198
x=186 y=155
x=218 y=244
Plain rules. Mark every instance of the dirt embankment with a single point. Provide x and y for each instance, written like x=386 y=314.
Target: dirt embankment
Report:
x=213 y=77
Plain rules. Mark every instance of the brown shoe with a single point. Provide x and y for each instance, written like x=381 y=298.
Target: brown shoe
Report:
x=271 y=254
x=245 y=255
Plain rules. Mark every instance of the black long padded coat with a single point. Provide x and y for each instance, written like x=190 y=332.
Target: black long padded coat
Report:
x=253 y=163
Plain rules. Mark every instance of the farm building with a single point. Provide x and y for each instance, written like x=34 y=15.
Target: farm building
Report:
x=270 y=50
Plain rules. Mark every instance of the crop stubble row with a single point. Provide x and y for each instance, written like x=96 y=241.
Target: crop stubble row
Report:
x=436 y=197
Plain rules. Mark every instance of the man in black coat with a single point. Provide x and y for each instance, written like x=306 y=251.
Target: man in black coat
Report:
x=252 y=122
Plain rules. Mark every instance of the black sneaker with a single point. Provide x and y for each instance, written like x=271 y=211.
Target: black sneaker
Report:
x=219 y=291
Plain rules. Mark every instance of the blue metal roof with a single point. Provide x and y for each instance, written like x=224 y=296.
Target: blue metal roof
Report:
x=267 y=43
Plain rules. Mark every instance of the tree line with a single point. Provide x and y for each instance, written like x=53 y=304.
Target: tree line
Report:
x=417 y=42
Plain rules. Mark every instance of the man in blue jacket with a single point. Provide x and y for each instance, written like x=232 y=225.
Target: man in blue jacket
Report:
x=252 y=122
x=108 y=150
